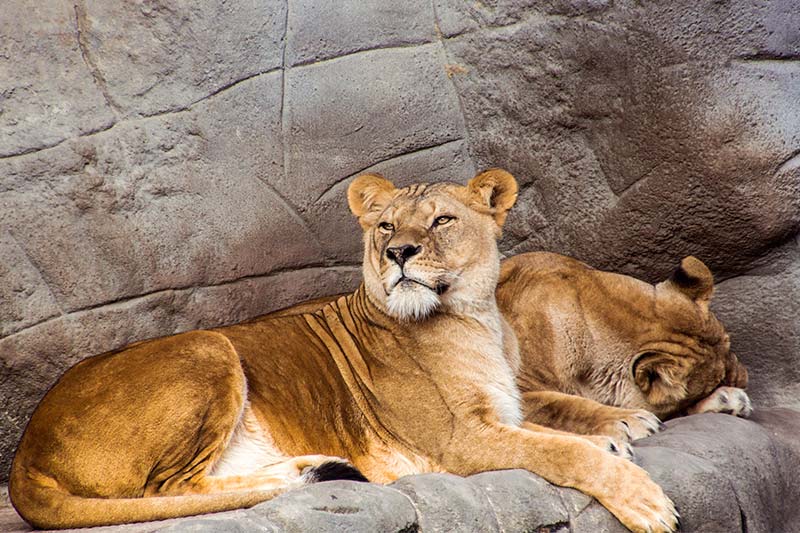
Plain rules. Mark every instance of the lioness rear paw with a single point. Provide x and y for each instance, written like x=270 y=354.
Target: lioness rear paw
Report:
x=726 y=400
x=635 y=425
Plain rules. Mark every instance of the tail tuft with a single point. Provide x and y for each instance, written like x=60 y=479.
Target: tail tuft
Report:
x=333 y=470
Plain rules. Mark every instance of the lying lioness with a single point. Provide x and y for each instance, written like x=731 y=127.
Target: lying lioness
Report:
x=589 y=337
x=408 y=374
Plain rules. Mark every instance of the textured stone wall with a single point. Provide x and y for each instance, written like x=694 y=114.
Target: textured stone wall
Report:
x=173 y=165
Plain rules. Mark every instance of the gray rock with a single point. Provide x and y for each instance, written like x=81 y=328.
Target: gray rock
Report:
x=595 y=519
x=320 y=30
x=419 y=118
x=47 y=92
x=241 y=524
x=445 y=502
x=522 y=501
x=695 y=486
x=761 y=310
x=340 y=506
x=94 y=226
x=731 y=456
x=406 y=87
x=27 y=300
x=162 y=56
x=591 y=107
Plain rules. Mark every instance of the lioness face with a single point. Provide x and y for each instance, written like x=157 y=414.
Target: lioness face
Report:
x=685 y=353
x=431 y=247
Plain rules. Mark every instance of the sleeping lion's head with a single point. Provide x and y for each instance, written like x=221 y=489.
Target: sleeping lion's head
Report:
x=431 y=247
x=685 y=352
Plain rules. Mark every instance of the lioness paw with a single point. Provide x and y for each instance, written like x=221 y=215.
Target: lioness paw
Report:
x=640 y=504
x=726 y=400
x=613 y=446
x=633 y=425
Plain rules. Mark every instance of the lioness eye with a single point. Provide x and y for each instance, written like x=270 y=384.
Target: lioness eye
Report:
x=442 y=220
x=386 y=226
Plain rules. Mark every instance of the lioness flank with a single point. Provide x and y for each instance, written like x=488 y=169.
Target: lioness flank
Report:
x=411 y=373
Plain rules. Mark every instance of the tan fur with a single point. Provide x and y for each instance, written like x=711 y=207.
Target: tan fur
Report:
x=427 y=387
x=591 y=339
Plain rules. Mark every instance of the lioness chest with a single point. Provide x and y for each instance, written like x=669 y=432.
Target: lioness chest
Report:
x=477 y=361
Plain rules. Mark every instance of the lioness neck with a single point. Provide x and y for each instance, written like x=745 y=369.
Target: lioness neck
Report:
x=469 y=346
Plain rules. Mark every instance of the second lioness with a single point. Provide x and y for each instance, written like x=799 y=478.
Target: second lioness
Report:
x=602 y=353
x=411 y=373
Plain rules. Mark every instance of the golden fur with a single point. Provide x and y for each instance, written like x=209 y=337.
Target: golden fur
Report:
x=414 y=372
x=590 y=338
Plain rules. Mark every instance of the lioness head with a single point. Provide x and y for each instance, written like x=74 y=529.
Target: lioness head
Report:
x=687 y=351
x=431 y=247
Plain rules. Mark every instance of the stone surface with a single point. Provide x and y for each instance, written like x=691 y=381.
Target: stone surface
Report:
x=761 y=308
x=418 y=114
x=158 y=56
x=522 y=501
x=339 y=506
x=37 y=107
x=725 y=474
x=721 y=459
x=445 y=502
x=319 y=30
x=170 y=165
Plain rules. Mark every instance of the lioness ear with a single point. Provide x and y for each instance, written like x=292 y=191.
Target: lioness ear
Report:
x=694 y=279
x=493 y=192
x=661 y=377
x=367 y=194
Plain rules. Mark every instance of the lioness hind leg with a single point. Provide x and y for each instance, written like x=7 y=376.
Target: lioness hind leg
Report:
x=588 y=417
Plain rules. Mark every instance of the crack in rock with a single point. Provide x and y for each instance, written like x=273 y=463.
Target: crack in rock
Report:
x=81 y=25
x=128 y=299
x=341 y=509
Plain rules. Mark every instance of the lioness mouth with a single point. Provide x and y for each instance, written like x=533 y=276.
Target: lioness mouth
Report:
x=440 y=287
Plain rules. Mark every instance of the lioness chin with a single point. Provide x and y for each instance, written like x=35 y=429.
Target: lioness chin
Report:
x=411 y=373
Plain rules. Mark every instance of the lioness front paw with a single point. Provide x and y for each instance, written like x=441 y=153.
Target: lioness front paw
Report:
x=613 y=446
x=639 y=503
x=633 y=425
x=727 y=400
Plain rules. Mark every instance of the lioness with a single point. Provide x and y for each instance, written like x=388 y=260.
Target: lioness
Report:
x=413 y=372
x=589 y=338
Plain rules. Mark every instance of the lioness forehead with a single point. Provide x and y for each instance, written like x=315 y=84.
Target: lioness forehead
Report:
x=424 y=199
x=421 y=202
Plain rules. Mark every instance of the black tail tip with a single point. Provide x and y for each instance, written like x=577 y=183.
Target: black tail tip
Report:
x=333 y=470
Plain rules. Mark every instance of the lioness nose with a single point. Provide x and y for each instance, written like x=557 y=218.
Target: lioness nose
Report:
x=401 y=254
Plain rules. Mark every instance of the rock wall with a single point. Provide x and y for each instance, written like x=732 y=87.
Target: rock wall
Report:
x=174 y=165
